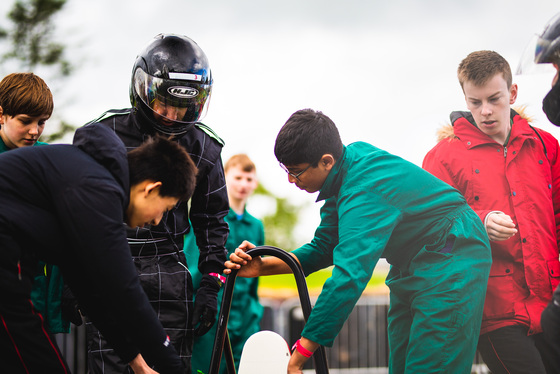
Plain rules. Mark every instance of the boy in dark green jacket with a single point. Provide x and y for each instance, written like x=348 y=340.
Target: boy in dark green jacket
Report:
x=379 y=205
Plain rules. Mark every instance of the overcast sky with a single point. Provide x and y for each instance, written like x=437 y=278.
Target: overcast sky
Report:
x=384 y=71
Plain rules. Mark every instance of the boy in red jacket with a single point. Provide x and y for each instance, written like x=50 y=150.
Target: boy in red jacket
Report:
x=510 y=175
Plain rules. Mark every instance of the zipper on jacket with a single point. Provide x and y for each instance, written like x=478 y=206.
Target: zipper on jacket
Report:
x=507 y=139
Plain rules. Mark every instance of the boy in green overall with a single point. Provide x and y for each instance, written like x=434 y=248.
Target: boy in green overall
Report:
x=379 y=205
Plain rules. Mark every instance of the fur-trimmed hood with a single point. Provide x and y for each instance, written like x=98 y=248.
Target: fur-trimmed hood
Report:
x=446 y=131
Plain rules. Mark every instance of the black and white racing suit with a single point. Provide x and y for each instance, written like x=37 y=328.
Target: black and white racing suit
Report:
x=158 y=250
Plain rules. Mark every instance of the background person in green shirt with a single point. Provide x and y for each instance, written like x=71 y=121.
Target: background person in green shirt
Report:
x=26 y=103
x=379 y=205
x=246 y=311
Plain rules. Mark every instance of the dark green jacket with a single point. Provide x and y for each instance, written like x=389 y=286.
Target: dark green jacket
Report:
x=246 y=309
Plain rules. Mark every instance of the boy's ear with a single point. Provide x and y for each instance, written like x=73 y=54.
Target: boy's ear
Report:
x=327 y=161
x=513 y=94
x=150 y=186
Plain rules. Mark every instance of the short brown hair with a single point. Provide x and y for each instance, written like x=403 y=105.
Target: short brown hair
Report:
x=241 y=160
x=480 y=66
x=25 y=93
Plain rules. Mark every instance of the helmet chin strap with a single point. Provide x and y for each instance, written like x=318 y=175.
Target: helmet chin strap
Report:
x=551 y=104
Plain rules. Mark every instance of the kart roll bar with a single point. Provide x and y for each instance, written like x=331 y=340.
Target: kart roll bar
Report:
x=222 y=338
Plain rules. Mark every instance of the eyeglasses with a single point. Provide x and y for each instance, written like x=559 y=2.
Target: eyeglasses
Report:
x=296 y=176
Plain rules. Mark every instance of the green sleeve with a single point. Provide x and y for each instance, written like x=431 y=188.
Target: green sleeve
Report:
x=317 y=254
x=366 y=222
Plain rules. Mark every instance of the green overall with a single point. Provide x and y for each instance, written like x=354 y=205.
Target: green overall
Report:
x=379 y=205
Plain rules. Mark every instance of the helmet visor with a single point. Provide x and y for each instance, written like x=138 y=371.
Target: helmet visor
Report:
x=180 y=99
x=547 y=51
x=532 y=60
x=548 y=46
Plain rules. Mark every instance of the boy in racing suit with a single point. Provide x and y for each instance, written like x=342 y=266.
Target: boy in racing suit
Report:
x=170 y=87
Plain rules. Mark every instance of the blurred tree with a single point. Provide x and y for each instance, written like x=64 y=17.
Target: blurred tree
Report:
x=32 y=44
x=32 y=35
x=279 y=226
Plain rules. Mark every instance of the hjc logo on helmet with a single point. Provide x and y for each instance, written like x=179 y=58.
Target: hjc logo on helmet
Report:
x=173 y=69
x=182 y=92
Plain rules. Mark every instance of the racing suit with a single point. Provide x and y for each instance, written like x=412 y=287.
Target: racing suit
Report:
x=157 y=250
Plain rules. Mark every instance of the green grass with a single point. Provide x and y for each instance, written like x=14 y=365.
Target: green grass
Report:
x=315 y=281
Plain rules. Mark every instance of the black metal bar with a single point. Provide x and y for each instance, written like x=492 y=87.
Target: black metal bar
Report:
x=221 y=330
x=319 y=357
x=230 y=361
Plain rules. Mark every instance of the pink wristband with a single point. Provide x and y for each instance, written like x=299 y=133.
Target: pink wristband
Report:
x=221 y=278
x=301 y=349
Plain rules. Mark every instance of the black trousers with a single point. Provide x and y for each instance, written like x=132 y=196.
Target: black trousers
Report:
x=25 y=344
x=510 y=351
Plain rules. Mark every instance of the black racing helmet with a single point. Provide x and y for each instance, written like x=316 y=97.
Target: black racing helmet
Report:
x=543 y=48
x=548 y=43
x=171 y=83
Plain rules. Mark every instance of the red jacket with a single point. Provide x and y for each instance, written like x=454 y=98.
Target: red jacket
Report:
x=524 y=183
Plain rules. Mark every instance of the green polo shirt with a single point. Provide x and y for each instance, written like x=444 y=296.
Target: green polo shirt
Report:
x=4 y=147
